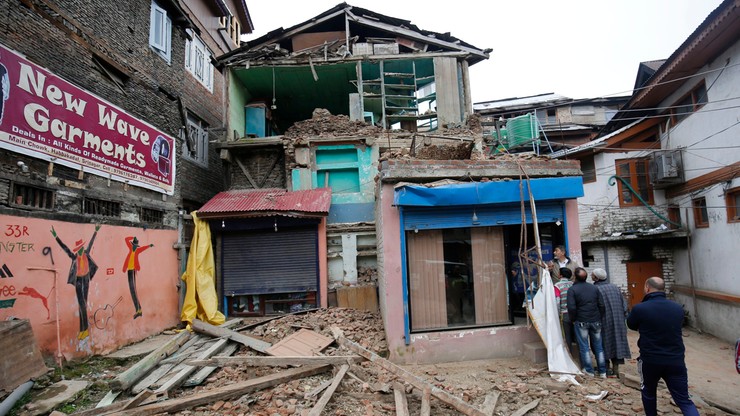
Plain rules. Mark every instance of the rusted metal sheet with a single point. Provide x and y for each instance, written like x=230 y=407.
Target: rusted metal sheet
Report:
x=21 y=359
x=302 y=343
x=316 y=201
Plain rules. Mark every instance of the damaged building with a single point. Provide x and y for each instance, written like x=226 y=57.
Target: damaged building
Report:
x=378 y=112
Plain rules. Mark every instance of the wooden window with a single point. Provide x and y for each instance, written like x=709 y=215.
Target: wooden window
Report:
x=732 y=199
x=691 y=102
x=151 y=216
x=635 y=172
x=198 y=60
x=589 y=169
x=196 y=142
x=32 y=196
x=160 y=32
x=674 y=214
x=94 y=206
x=701 y=216
x=231 y=25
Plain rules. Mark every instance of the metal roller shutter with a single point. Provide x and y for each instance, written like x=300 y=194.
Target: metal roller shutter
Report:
x=264 y=262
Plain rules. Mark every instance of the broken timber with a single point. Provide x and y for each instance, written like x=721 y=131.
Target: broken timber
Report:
x=256 y=361
x=224 y=393
x=127 y=379
x=407 y=376
x=316 y=411
x=402 y=404
x=215 y=331
x=185 y=372
x=204 y=372
x=489 y=404
x=526 y=408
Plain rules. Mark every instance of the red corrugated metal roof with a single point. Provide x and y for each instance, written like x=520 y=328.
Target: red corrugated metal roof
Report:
x=316 y=201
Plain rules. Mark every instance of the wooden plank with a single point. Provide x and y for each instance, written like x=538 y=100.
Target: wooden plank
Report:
x=526 y=408
x=426 y=405
x=489 y=404
x=315 y=392
x=108 y=399
x=225 y=393
x=406 y=376
x=254 y=361
x=127 y=379
x=215 y=331
x=139 y=399
x=342 y=298
x=246 y=173
x=302 y=343
x=152 y=377
x=402 y=404
x=204 y=372
x=316 y=411
x=184 y=373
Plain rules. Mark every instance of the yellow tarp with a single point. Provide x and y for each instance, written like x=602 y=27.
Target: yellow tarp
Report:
x=201 y=300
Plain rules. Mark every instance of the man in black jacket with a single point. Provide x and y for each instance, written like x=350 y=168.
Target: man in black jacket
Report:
x=585 y=309
x=659 y=322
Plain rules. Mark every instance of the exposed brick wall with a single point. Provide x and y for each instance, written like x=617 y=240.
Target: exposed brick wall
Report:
x=603 y=219
x=259 y=163
x=156 y=92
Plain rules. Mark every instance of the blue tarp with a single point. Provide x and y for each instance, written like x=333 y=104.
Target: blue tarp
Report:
x=482 y=193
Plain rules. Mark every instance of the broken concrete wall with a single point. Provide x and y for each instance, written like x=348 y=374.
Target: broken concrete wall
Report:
x=36 y=272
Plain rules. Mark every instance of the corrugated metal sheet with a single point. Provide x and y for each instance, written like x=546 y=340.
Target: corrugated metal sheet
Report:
x=316 y=201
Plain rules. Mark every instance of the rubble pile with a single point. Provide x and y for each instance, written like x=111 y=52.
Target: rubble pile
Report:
x=323 y=123
x=367 y=275
x=459 y=151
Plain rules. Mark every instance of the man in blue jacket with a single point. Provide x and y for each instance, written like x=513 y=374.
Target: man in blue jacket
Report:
x=659 y=322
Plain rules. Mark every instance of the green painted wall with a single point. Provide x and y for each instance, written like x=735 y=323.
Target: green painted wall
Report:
x=238 y=98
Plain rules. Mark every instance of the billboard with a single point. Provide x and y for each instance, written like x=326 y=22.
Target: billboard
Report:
x=46 y=117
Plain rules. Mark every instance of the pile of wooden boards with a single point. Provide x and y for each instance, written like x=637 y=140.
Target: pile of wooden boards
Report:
x=188 y=359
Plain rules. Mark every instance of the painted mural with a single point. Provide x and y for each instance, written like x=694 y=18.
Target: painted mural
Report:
x=68 y=281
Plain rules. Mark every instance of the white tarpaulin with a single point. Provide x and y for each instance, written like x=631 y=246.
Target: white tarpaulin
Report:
x=545 y=314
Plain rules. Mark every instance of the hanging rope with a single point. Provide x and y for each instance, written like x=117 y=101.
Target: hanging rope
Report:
x=612 y=182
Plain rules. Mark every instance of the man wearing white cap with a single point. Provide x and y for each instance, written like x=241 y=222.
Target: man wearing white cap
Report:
x=613 y=327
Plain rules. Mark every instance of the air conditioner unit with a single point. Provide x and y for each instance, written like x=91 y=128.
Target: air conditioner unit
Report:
x=666 y=168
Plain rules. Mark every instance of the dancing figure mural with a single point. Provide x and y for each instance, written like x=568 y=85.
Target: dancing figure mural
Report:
x=131 y=266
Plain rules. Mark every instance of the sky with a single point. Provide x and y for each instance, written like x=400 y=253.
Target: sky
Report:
x=575 y=48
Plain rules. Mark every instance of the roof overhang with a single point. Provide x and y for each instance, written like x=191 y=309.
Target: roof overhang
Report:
x=247 y=203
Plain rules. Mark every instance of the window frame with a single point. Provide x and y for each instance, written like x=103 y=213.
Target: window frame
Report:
x=198 y=56
x=31 y=196
x=690 y=99
x=326 y=168
x=199 y=128
x=633 y=180
x=699 y=207
x=231 y=25
x=164 y=47
x=733 y=208
x=591 y=177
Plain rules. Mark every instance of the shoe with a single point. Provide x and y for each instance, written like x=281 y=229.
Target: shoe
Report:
x=611 y=374
x=137 y=314
x=587 y=373
x=602 y=375
x=83 y=334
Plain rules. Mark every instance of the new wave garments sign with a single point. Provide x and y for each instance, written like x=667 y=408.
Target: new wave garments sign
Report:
x=43 y=116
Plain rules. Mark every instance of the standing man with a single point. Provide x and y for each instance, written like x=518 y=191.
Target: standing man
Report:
x=561 y=260
x=131 y=266
x=613 y=327
x=81 y=271
x=585 y=309
x=563 y=285
x=659 y=322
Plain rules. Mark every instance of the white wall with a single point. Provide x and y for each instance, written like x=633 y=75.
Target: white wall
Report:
x=714 y=250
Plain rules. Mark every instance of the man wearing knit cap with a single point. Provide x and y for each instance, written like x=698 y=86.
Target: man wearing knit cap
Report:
x=613 y=327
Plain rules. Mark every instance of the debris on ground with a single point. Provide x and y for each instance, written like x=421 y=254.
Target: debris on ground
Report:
x=332 y=361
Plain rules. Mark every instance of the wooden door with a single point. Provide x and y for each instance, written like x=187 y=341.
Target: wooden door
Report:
x=637 y=273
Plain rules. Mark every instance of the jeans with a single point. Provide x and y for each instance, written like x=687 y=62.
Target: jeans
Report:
x=677 y=381
x=586 y=331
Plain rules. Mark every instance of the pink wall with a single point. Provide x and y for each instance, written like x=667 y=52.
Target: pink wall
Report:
x=323 y=265
x=574 y=231
x=432 y=347
x=27 y=244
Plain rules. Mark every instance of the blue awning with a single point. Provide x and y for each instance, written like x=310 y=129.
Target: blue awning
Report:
x=483 y=193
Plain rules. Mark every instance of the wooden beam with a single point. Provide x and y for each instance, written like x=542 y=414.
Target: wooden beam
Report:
x=724 y=174
x=315 y=392
x=426 y=402
x=254 y=361
x=225 y=393
x=204 y=372
x=127 y=379
x=407 y=376
x=708 y=294
x=489 y=404
x=269 y=171
x=246 y=172
x=215 y=331
x=402 y=404
x=187 y=370
x=316 y=411
x=526 y=408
